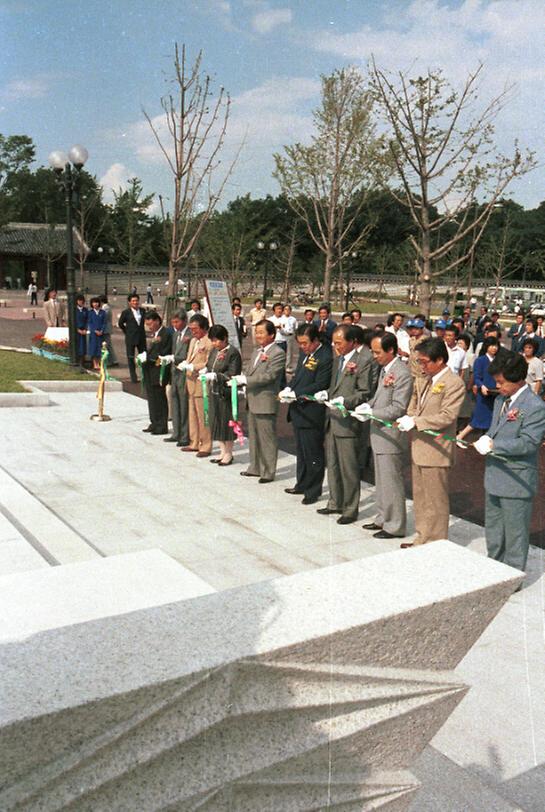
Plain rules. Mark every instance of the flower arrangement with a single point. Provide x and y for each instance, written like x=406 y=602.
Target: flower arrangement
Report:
x=437 y=389
x=389 y=380
x=311 y=364
x=57 y=347
x=350 y=368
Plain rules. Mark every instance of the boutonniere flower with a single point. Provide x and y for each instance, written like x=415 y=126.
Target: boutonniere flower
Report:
x=221 y=357
x=350 y=368
x=437 y=389
x=155 y=340
x=311 y=364
x=389 y=380
x=512 y=415
x=263 y=357
x=186 y=340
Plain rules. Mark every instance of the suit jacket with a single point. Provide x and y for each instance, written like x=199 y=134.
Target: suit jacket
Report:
x=330 y=326
x=134 y=332
x=437 y=410
x=53 y=312
x=240 y=328
x=354 y=384
x=389 y=403
x=225 y=363
x=265 y=379
x=159 y=345
x=197 y=354
x=180 y=348
x=312 y=374
x=519 y=440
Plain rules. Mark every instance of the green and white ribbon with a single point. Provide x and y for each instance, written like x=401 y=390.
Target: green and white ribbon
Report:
x=205 y=403
x=104 y=359
x=141 y=367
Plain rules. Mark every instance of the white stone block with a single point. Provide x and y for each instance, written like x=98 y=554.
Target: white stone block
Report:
x=307 y=692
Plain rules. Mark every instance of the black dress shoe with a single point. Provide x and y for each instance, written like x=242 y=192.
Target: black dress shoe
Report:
x=180 y=445
x=170 y=440
x=326 y=511
x=383 y=534
x=160 y=432
x=309 y=500
x=371 y=526
x=292 y=490
x=247 y=473
x=149 y=429
x=223 y=464
x=216 y=460
x=262 y=480
x=347 y=519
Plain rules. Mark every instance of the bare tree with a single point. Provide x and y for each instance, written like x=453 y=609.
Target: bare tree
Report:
x=327 y=183
x=197 y=124
x=442 y=148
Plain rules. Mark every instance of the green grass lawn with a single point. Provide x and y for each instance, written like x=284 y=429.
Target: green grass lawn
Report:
x=15 y=366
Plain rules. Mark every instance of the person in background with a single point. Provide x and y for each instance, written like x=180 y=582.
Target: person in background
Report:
x=280 y=322
x=356 y=316
x=309 y=316
x=32 y=293
x=456 y=355
x=415 y=328
x=82 y=315
x=224 y=363
x=516 y=331
x=290 y=330
x=379 y=327
x=149 y=294
x=440 y=327
x=530 y=327
x=131 y=323
x=484 y=389
x=395 y=326
x=240 y=325
x=347 y=318
x=54 y=311
x=96 y=322
x=195 y=306
x=325 y=324
x=108 y=328
x=256 y=314
x=534 y=379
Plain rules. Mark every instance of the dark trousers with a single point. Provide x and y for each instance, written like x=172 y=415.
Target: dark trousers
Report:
x=310 y=461
x=33 y=299
x=180 y=408
x=157 y=406
x=131 y=349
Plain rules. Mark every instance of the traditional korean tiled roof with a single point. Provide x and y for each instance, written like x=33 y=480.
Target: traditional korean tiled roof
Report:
x=38 y=240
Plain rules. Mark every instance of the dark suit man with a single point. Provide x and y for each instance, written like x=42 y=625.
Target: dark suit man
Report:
x=516 y=434
x=240 y=325
x=390 y=447
x=325 y=324
x=181 y=337
x=262 y=379
x=131 y=322
x=516 y=331
x=350 y=386
x=312 y=374
x=158 y=343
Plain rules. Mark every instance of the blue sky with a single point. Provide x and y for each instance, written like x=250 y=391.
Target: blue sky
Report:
x=81 y=72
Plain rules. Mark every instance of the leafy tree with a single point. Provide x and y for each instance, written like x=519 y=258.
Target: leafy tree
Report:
x=130 y=226
x=328 y=182
x=443 y=152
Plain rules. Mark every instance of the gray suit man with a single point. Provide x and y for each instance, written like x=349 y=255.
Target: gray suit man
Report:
x=263 y=378
x=516 y=434
x=180 y=407
x=390 y=446
x=350 y=386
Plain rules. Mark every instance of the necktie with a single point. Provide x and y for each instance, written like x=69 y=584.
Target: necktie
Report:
x=340 y=369
x=505 y=406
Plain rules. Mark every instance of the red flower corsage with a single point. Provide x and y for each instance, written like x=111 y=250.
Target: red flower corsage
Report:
x=221 y=357
x=263 y=357
x=512 y=415
x=389 y=380
x=350 y=368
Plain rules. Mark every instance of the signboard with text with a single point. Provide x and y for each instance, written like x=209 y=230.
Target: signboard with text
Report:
x=219 y=305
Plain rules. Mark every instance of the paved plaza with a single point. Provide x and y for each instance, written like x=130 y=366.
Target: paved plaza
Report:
x=73 y=490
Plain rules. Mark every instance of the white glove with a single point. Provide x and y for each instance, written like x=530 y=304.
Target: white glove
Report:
x=181 y=366
x=142 y=357
x=188 y=367
x=210 y=376
x=364 y=409
x=166 y=359
x=332 y=404
x=406 y=423
x=287 y=395
x=241 y=380
x=483 y=445
x=321 y=397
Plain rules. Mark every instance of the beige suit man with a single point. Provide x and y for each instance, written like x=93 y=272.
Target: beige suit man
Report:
x=435 y=404
x=200 y=437
x=54 y=311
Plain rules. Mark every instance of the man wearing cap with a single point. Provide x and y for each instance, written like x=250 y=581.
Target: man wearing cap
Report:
x=440 y=327
x=415 y=329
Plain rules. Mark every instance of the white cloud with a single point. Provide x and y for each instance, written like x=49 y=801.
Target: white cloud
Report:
x=33 y=87
x=115 y=178
x=264 y=21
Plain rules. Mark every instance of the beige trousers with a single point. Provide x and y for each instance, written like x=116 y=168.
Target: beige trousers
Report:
x=430 y=503
x=199 y=434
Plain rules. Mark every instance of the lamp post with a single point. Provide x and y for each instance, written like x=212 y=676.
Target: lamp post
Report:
x=101 y=252
x=272 y=246
x=352 y=257
x=67 y=168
